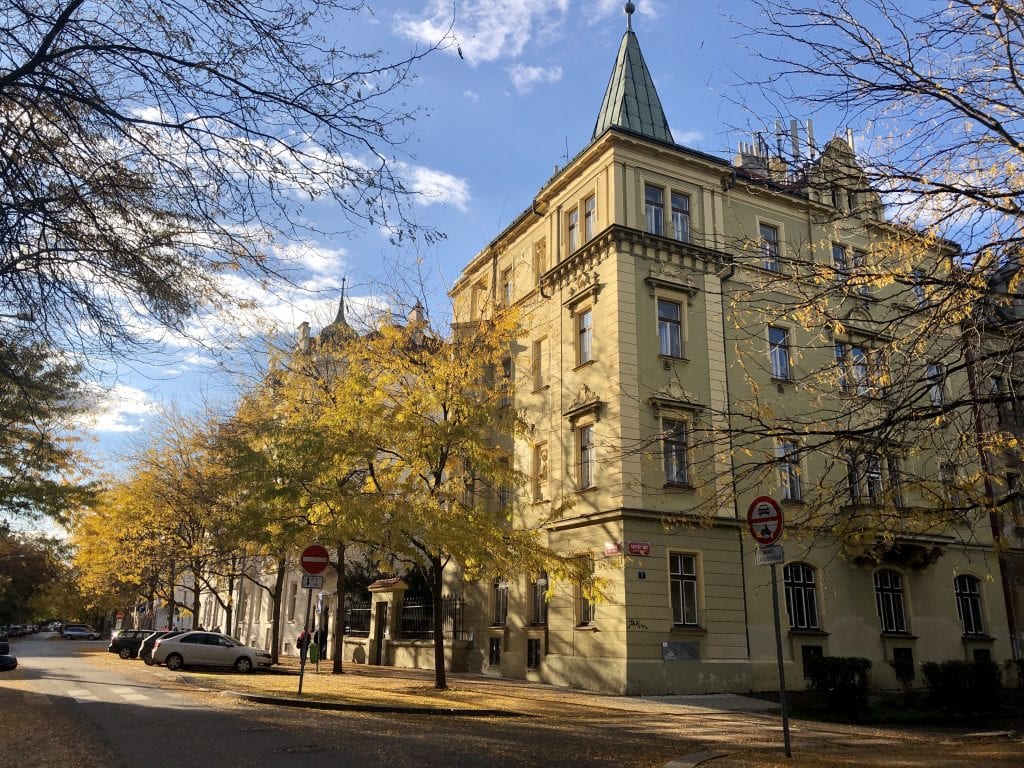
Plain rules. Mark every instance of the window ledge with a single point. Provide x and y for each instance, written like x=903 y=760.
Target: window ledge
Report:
x=808 y=633
x=677 y=487
x=673 y=358
x=793 y=502
x=898 y=636
x=783 y=380
x=541 y=388
x=587 y=628
x=581 y=366
x=588 y=489
x=680 y=630
x=979 y=638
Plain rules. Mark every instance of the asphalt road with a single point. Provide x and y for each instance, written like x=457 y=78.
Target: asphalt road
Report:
x=151 y=720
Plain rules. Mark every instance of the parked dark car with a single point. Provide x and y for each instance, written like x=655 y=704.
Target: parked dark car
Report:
x=146 y=649
x=126 y=642
x=7 y=662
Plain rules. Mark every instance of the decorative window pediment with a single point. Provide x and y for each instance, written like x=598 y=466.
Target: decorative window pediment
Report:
x=586 y=286
x=672 y=278
x=673 y=397
x=586 y=403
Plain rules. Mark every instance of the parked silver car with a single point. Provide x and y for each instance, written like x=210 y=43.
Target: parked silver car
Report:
x=80 y=632
x=208 y=649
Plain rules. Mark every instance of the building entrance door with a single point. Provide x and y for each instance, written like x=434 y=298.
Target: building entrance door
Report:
x=380 y=624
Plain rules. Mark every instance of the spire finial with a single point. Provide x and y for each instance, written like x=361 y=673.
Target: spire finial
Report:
x=341 y=304
x=630 y=9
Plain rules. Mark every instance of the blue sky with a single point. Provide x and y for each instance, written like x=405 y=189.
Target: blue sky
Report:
x=523 y=96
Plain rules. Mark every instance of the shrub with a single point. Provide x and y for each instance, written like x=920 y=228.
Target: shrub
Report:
x=963 y=685
x=842 y=680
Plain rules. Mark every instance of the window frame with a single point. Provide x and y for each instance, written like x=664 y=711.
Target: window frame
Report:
x=499 y=602
x=572 y=234
x=801 y=593
x=586 y=608
x=586 y=457
x=666 y=325
x=770 y=247
x=680 y=216
x=538 y=600
x=890 y=601
x=681 y=586
x=787 y=457
x=841 y=263
x=589 y=218
x=863 y=370
x=676 y=451
x=967 y=592
x=935 y=376
x=654 y=211
x=780 y=354
x=584 y=336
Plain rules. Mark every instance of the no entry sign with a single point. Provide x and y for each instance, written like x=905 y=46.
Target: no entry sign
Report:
x=314 y=559
x=764 y=518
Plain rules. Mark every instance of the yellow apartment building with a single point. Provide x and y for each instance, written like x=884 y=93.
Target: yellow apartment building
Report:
x=699 y=332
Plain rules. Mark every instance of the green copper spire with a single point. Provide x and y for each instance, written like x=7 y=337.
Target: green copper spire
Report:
x=630 y=101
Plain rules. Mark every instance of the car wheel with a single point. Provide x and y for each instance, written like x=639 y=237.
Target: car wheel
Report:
x=243 y=665
x=125 y=653
x=174 y=662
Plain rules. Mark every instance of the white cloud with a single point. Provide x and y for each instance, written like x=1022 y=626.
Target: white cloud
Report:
x=471 y=96
x=687 y=138
x=524 y=77
x=317 y=259
x=485 y=30
x=119 y=409
x=437 y=187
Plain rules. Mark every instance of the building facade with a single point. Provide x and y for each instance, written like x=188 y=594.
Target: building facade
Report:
x=690 y=324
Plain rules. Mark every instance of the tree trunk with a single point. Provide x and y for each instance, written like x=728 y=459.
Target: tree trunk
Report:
x=275 y=640
x=195 y=596
x=172 y=603
x=340 y=615
x=229 y=608
x=436 y=584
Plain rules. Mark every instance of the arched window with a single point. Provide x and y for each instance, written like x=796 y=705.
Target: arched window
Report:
x=889 y=600
x=801 y=596
x=968 y=603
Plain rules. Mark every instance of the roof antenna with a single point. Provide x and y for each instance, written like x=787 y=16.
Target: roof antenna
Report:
x=630 y=9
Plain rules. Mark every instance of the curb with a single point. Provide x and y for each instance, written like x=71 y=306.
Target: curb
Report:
x=378 y=708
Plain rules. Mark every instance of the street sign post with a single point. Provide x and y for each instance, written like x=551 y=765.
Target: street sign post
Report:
x=314 y=560
x=764 y=519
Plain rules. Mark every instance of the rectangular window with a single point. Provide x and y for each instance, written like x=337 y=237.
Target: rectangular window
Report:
x=506 y=287
x=840 y=263
x=585 y=467
x=860 y=263
x=788 y=456
x=293 y=597
x=778 y=348
x=936 y=377
x=587 y=608
x=675 y=449
x=654 y=206
x=873 y=478
x=494 y=651
x=682 y=571
x=681 y=217
x=968 y=603
x=589 y=217
x=895 y=480
x=918 y=286
x=540 y=471
x=670 y=328
x=537 y=364
x=861 y=370
x=1009 y=407
x=889 y=601
x=574 y=229
x=770 y=248
x=801 y=596
x=585 y=336
x=499 y=603
x=539 y=600
x=533 y=653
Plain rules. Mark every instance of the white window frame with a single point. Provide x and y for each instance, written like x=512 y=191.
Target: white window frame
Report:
x=586 y=457
x=801 y=589
x=589 y=217
x=572 y=222
x=654 y=210
x=770 y=247
x=585 y=336
x=666 y=325
x=680 y=215
x=967 y=591
x=787 y=455
x=935 y=375
x=780 y=355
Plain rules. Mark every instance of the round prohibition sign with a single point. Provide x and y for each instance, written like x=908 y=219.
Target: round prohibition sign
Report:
x=764 y=518
x=314 y=559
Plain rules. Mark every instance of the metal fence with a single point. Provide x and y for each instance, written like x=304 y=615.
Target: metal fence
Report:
x=417 y=621
x=357 y=618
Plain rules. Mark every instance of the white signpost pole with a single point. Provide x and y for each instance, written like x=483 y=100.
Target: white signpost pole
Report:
x=764 y=519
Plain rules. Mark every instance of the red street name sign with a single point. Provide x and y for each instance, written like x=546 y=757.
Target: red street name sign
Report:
x=314 y=559
x=639 y=548
x=764 y=518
